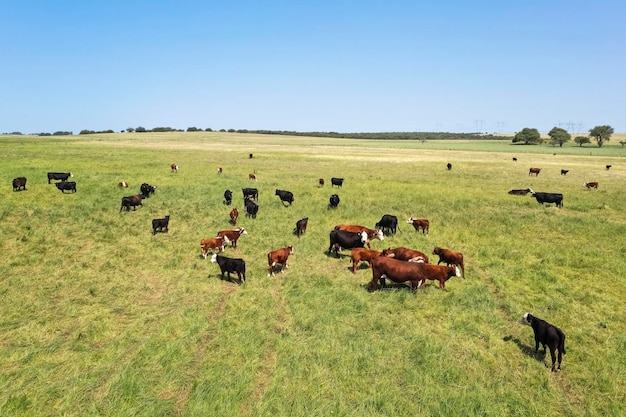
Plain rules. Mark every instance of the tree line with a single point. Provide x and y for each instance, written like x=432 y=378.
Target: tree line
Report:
x=559 y=136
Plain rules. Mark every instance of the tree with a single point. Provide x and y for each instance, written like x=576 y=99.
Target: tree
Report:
x=130 y=129
x=559 y=136
x=601 y=134
x=140 y=129
x=529 y=136
x=581 y=140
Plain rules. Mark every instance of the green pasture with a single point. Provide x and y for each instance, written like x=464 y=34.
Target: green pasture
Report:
x=98 y=317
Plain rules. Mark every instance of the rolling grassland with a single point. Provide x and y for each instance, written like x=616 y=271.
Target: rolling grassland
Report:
x=98 y=317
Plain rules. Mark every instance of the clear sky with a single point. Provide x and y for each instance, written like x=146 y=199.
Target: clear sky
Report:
x=340 y=65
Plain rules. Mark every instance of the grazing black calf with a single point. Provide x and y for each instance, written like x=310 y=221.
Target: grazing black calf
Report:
x=546 y=334
x=285 y=196
x=301 y=226
x=147 y=189
x=252 y=208
x=608 y=167
x=66 y=185
x=19 y=183
x=63 y=176
x=228 y=197
x=333 y=201
x=160 y=225
x=228 y=265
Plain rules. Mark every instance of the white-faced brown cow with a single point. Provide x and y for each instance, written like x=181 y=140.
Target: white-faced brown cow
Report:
x=232 y=235
x=212 y=244
x=122 y=184
x=219 y=170
x=419 y=224
x=174 y=167
x=450 y=257
x=278 y=257
x=252 y=177
x=591 y=185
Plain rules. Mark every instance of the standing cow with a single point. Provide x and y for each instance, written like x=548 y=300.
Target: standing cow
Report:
x=301 y=226
x=546 y=334
x=388 y=222
x=19 y=183
x=278 y=257
x=285 y=196
x=228 y=197
x=333 y=201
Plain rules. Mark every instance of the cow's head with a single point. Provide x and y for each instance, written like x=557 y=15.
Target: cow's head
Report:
x=437 y=250
x=242 y=231
x=378 y=234
x=364 y=236
x=290 y=250
x=526 y=319
x=388 y=253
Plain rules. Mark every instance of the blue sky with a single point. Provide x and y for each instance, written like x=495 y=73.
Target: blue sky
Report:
x=343 y=66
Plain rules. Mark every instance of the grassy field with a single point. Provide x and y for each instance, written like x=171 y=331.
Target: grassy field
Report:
x=98 y=317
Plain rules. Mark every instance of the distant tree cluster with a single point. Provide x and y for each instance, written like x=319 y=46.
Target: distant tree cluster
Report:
x=91 y=132
x=559 y=136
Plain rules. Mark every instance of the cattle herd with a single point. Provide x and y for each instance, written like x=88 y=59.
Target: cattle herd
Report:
x=399 y=265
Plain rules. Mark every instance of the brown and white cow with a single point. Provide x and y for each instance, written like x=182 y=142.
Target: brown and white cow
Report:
x=397 y=271
x=219 y=170
x=450 y=257
x=234 y=215
x=405 y=254
x=232 y=235
x=371 y=233
x=441 y=273
x=212 y=244
x=418 y=224
x=320 y=182
x=361 y=254
x=278 y=256
x=535 y=171
x=122 y=184
x=252 y=177
x=174 y=167
x=590 y=185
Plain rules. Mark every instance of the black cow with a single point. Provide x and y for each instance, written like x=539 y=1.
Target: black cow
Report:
x=146 y=189
x=250 y=193
x=449 y=166
x=523 y=191
x=301 y=226
x=388 y=222
x=251 y=208
x=19 y=183
x=346 y=240
x=608 y=167
x=63 y=176
x=336 y=181
x=66 y=185
x=549 y=198
x=546 y=334
x=228 y=265
x=334 y=201
x=133 y=200
x=160 y=224
x=285 y=196
x=228 y=197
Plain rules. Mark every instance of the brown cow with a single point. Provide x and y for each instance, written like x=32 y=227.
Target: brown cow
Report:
x=219 y=170
x=419 y=224
x=441 y=273
x=371 y=233
x=590 y=185
x=232 y=235
x=278 y=256
x=211 y=244
x=405 y=254
x=450 y=257
x=174 y=167
x=534 y=171
x=397 y=271
x=361 y=254
x=320 y=182
x=252 y=177
x=122 y=184
x=234 y=214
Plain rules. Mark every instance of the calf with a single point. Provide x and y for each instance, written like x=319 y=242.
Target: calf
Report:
x=535 y=171
x=419 y=224
x=441 y=273
x=219 y=170
x=19 y=183
x=333 y=201
x=278 y=256
x=301 y=226
x=590 y=185
x=133 y=200
x=174 y=167
x=547 y=335
x=347 y=240
x=514 y=159
x=449 y=166
x=388 y=222
x=549 y=198
x=232 y=235
x=66 y=185
x=160 y=225
x=564 y=171
x=228 y=265
x=336 y=181
x=521 y=192
x=405 y=254
x=450 y=257
x=228 y=197
x=285 y=196
x=320 y=182
x=212 y=244
x=122 y=184
x=234 y=215
x=63 y=176
x=250 y=193
x=252 y=208
x=608 y=167
x=147 y=189
x=361 y=254
x=252 y=177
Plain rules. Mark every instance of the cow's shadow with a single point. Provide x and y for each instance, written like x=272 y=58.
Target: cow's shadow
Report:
x=232 y=280
x=526 y=349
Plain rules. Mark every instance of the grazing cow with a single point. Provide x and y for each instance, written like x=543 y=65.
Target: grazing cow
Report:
x=252 y=177
x=450 y=257
x=549 y=198
x=346 y=240
x=147 y=189
x=389 y=222
x=547 y=335
x=361 y=254
x=62 y=176
x=133 y=200
x=514 y=159
x=250 y=193
x=219 y=170
x=301 y=226
x=405 y=254
x=397 y=271
x=564 y=171
x=228 y=265
x=234 y=215
x=608 y=167
x=590 y=185
x=122 y=184
x=336 y=181
x=521 y=192
x=252 y=208
x=278 y=256
x=251 y=156
x=285 y=196
x=441 y=273
x=66 y=185
x=333 y=201
x=320 y=182
x=232 y=235
x=419 y=224
x=19 y=183
x=535 y=171
x=371 y=233
x=161 y=224
x=212 y=244
x=228 y=197
x=174 y=167
x=449 y=166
